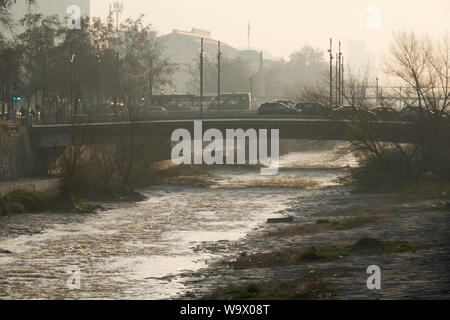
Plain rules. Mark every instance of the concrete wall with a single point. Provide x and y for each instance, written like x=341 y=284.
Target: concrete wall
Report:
x=34 y=185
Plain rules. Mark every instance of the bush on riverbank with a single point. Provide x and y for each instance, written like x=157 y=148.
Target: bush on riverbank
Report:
x=21 y=201
x=392 y=167
x=112 y=172
x=422 y=65
x=103 y=180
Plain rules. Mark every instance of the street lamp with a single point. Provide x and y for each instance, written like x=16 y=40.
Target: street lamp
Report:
x=219 y=54
x=331 y=72
x=201 y=80
x=251 y=93
x=98 y=77
x=339 y=75
x=72 y=60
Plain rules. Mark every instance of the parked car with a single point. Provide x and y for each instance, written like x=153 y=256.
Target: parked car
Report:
x=313 y=109
x=276 y=108
x=413 y=113
x=289 y=103
x=385 y=113
x=350 y=112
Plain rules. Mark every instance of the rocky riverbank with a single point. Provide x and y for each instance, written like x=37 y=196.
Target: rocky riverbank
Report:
x=144 y=250
x=325 y=252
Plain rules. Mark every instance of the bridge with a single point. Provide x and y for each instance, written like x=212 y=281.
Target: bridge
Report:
x=45 y=142
x=62 y=135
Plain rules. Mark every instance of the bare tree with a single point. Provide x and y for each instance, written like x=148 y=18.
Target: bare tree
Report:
x=421 y=66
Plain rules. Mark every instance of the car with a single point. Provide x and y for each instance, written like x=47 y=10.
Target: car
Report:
x=384 y=113
x=312 y=109
x=344 y=112
x=414 y=113
x=289 y=103
x=350 y=112
x=276 y=108
x=409 y=112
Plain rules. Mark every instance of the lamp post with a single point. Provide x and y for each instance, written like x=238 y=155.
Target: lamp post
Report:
x=150 y=77
x=251 y=93
x=219 y=54
x=201 y=80
x=342 y=81
x=14 y=113
x=117 y=91
x=72 y=60
x=336 y=81
x=98 y=78
x=339 y=75
x=331 y=72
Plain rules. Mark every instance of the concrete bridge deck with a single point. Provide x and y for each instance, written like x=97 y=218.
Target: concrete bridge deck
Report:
x=61 y=135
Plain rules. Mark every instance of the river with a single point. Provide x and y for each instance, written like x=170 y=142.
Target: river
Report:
x=138 y=251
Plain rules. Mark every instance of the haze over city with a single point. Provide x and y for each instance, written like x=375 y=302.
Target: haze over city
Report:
x=252 y=150
x=281 y=27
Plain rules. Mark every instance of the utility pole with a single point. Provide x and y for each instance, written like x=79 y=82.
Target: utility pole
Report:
x=339 y=75
x=150 y=78
x=44 y=87
x=201 y=80
x=331 y=72
x=219 y=54
x=14 y=90
x=251 y=93
x=377 y=91
x=336 y=80
x=342 y=81
x=98 y=78
x=72 y=60
x=117 y=91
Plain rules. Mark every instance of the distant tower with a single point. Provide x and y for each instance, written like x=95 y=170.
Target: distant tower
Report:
x=117 y=9
x=248 y=37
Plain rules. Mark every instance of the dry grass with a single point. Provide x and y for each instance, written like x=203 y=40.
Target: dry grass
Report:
x=324 y=225
x=324 y=253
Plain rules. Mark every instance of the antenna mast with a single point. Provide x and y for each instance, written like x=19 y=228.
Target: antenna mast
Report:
x=117 y=9
x=248 y=38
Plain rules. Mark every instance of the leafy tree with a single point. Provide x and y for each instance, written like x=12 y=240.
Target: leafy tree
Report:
x=288 y=78
x=6 y=20
x=143 y=65
x=36 y=44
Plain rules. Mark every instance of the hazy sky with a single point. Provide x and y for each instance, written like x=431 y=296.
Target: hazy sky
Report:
x=283 y=26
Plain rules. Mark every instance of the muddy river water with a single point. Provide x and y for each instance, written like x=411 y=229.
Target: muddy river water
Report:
x=138 y=251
